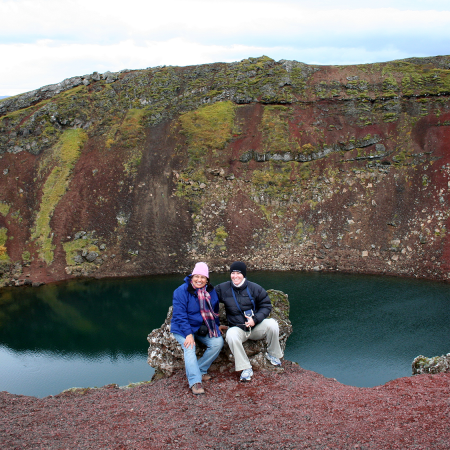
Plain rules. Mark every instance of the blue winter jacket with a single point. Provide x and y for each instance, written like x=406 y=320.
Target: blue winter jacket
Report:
x=186 y=317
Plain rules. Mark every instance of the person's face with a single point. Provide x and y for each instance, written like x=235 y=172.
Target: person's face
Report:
x=199 y=281
x=236 y=277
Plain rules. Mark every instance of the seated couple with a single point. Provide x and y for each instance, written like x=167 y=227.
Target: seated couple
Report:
x=196 y=317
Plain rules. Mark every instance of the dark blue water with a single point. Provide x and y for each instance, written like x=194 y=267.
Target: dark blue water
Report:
x=361 y=330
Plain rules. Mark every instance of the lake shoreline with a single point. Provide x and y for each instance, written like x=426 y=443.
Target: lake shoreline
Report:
x=37 y=281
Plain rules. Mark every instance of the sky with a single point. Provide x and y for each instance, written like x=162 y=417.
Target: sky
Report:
x=45 y=41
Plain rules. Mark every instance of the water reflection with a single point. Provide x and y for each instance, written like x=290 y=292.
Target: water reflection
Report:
x=361 y=330
x=85 y=317
x=45 y=373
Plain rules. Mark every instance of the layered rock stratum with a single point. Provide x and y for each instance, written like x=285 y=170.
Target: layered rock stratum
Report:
x=284 y=165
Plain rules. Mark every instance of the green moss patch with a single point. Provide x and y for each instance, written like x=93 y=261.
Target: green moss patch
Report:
x=207 y=129
x=66 y=152
x=4 y=208
x=220 y=239
x=274 y=181
x=416 y=79
x=131 y=133
x=130 y=129
x=3 y=238
x=275 y=130
x=26 y=256
x=74 y=248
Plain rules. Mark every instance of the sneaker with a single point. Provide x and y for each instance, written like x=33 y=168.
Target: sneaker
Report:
x=197 y=389
x=273 y=360
x=246 y=375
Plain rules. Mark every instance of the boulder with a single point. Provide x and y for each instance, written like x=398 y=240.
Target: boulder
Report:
x=78 y=259
x=91 y=256
x=436 y=364
x=165 y=354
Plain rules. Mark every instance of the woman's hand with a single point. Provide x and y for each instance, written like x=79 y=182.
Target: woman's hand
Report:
x=250 y=322
x=189 y=341
x=223 y=328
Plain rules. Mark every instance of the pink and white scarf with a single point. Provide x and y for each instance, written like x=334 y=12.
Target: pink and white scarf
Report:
x=207 y=311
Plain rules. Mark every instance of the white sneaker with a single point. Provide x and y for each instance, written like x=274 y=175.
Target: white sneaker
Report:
x=246 y=375
x=273 y=360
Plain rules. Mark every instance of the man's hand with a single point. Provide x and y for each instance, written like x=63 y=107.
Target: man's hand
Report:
x=223 y=328
x=250 y=322
x=190 y=341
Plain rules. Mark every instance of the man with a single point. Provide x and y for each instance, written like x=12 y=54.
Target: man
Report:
x=247 y=306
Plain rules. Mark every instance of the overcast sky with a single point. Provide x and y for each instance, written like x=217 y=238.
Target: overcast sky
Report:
x=45 y=41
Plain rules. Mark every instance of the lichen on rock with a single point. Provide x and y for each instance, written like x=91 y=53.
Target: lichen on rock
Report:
x=436 y=364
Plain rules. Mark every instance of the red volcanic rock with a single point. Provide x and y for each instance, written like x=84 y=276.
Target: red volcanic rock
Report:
x=291 y=408
x=284 y=165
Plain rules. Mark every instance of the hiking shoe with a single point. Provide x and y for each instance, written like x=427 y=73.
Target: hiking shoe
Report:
x=206 y=377
x=197 y=389
x=246 y=375
x=273 y=360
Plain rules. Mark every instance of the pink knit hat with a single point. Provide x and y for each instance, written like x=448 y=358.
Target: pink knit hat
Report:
x=201 y=268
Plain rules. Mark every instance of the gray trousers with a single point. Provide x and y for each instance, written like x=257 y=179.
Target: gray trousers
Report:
x=235 y=337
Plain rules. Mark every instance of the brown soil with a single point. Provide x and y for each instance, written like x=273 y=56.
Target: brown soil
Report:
x=292 y=408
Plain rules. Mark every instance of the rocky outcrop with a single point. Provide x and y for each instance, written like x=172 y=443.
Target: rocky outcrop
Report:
x=166 y=356
x=436 y=364
x=30 y=98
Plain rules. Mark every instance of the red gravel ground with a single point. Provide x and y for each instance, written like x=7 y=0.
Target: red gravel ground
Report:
x=289 y=409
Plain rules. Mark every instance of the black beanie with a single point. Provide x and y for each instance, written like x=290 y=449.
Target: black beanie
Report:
x=239 y=266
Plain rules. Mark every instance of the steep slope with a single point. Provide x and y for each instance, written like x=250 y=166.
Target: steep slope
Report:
x=281 y=164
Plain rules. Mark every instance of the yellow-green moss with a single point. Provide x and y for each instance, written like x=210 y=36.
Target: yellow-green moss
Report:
x=418 y=79
x=26 y=256
x=71 y=92
x=305 y=171
x=275 y=130
x=390 y=117
x=131 y=126
x=219 y=239
x=132 y=163
x=4 y=208
x=189 y=183
x=207 y=128
x=307 y=149
x=23 y=112
x=274 y=181
x=72 y=249
x=65 y=152
x=129 y=134
x=302 y=231
x=3 y=238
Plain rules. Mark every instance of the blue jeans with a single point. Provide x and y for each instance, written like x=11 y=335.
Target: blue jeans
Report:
x=195 y=369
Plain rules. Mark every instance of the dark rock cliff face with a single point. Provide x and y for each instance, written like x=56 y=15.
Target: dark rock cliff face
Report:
x=280 y=164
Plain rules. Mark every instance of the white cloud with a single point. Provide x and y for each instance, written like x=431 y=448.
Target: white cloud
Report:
x=109 y=21
x=45 y=41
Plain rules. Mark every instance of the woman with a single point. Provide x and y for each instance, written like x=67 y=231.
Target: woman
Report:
x=196 y=317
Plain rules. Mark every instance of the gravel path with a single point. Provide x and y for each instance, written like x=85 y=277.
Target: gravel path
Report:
x=288 y=409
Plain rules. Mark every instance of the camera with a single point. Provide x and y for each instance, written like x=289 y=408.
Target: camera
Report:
x=203 y=330
x=249 y=313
